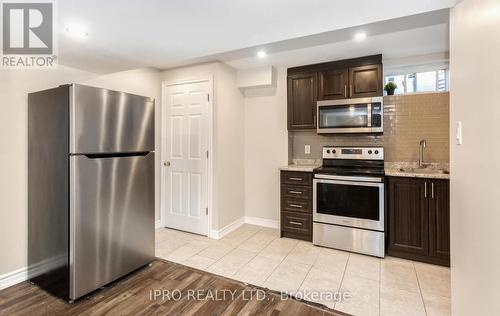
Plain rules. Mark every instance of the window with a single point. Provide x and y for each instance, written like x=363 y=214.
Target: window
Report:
x=428 y=81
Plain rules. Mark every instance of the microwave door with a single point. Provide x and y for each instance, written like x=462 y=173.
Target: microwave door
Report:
x=354 y=116
x=362 y=115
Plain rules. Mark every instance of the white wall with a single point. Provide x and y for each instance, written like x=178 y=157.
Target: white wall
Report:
x=229 y=148
x=475 y=166
x=14 y=87
x=228 y=139
x=266 y=148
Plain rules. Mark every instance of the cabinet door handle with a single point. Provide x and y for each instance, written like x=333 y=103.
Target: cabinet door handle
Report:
x=350 y=90
x=345 y=91
x=425 y=189
x=296 y=179
x=432 y=189
x=296 y=223
x=295 y=205
x=314 y=118
x=295 y=192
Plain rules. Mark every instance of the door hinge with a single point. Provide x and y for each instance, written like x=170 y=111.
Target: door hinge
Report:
x=208 y=97
x=207 y=154
x=206 y=211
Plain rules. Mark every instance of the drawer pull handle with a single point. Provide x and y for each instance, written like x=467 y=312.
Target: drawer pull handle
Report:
x=296 y=179
x=295 y=192
x=295 y=205
x=296 y=223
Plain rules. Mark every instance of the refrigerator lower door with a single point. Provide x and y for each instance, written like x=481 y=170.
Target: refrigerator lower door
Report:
x=111 y=219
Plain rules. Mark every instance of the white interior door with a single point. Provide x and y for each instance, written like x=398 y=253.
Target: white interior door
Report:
x=185 y=164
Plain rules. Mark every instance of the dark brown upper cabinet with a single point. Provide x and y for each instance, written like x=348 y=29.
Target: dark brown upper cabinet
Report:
x=333 y=84
x=342 y=79
x=365 y=81
x=302 y=96
x=419 y=219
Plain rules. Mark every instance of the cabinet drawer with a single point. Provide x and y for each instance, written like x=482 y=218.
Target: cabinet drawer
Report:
x=303 y=206
x=296 y=192
x=296 y=178
x=296 y=223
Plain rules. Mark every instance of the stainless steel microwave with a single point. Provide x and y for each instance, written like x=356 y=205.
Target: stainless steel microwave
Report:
x=363 y=115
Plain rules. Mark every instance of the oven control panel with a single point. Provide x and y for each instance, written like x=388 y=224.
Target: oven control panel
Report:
x=365 y=153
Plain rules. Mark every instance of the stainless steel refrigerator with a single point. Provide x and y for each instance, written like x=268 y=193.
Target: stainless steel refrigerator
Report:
x=90 y=187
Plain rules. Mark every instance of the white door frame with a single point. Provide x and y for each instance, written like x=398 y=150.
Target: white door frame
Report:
x=163 y=140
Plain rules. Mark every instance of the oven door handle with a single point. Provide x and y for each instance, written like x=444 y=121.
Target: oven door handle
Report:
x=346 y=182
x=349 y=178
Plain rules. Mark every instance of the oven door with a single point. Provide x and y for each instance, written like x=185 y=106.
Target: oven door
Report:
x=349 y=203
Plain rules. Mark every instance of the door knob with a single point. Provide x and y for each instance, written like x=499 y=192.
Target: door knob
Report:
x=166 y=163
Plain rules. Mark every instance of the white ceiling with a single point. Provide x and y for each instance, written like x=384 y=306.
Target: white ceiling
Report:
x=164 y=34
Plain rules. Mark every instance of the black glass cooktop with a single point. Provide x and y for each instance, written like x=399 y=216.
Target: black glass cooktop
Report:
x=345 y=171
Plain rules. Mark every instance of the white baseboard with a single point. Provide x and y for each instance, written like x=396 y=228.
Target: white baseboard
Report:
x=13 y=277
x=158 y=224
x=218 y=234
x=262 y=222
x=34 y=270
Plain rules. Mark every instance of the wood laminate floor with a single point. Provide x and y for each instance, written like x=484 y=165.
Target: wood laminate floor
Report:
x=190 y=292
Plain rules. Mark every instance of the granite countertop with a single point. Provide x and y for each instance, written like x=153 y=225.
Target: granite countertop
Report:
x=393 y=169
x=296 y=167
x=302 y=165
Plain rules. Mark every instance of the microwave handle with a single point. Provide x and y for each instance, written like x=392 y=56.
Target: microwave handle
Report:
x=369 y=110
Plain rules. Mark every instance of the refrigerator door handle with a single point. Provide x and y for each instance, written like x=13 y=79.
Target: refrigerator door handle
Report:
x=118 y=155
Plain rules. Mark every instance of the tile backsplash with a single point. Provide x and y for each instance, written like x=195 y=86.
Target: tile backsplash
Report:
x=407 y=120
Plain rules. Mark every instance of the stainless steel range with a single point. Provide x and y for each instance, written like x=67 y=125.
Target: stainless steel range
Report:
x=348 y=200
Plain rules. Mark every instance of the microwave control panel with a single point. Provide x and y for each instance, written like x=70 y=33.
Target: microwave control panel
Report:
x=376 y=115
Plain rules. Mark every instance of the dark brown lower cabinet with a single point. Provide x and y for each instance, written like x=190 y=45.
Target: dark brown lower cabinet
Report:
x=408 y=216
x=419 y=219
x=439 y=216
x=296 y=205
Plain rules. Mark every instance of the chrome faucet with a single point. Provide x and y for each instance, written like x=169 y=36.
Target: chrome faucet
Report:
x=421 y=147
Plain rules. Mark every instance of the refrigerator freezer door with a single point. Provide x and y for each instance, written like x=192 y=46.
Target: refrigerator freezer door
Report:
x=107 y=121
x=111 y=219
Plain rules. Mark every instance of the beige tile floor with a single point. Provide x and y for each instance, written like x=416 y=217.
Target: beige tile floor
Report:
x=257 y=256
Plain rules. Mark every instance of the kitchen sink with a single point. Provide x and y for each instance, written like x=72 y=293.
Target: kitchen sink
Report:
x=424 y=170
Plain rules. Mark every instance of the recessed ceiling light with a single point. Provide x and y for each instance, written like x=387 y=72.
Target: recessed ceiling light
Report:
x=360 y=36
x=77 y=30
x=261 y=54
